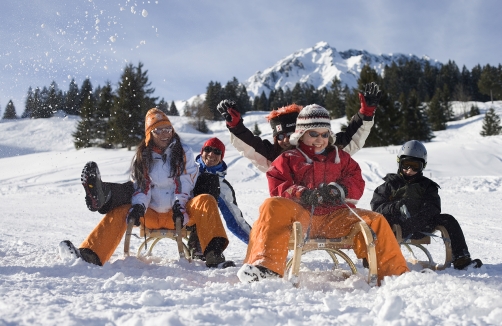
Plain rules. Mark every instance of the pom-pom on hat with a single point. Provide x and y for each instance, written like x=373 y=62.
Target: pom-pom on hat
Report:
x=216 y=143
x=283 y=120
x=155 y=118
x=311 y=117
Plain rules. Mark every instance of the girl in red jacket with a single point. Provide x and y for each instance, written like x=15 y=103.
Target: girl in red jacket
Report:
x=315 y=173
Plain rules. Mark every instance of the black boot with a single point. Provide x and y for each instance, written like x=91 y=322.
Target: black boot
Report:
x=465 y=261
x=194 y=244
x=68 y=250
x=96 y=193
x=214 y=254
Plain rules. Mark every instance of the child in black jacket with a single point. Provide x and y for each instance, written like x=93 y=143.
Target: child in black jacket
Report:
x=412 y=201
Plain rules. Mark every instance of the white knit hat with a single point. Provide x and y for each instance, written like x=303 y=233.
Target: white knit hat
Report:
x=311 y=117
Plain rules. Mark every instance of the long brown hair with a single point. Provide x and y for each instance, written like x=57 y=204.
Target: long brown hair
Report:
x=142 y=160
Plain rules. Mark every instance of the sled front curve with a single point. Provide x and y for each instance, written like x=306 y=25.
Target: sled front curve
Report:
x=333 y=247
x=153 y=236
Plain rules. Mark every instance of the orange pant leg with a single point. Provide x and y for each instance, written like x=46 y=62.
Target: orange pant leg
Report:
x=203 y=212
x=390 y=260
x=269 y=238
x=106 y=236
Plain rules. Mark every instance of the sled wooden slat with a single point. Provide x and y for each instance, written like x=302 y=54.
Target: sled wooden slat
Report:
x=153 y=236
x=419 y=243
x=333 y=247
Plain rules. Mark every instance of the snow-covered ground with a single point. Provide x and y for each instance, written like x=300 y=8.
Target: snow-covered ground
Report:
x=42 y=203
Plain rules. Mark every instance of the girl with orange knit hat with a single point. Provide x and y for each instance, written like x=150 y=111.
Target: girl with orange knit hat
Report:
x=163 y=174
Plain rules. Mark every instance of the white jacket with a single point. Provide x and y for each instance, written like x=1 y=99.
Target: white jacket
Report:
x=162 y=191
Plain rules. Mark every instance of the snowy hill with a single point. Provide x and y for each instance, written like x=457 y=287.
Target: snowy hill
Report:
x=42 y=203
x=319 y=65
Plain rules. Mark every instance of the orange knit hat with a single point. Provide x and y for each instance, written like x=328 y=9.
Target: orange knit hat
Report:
x=155 y=118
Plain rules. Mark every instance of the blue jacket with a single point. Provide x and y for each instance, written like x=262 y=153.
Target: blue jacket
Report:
x=226 y=202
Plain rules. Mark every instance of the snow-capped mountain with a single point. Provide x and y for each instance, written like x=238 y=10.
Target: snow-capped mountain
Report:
x=319 y=65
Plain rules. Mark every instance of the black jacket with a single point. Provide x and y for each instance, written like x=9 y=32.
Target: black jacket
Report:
x=419 y=194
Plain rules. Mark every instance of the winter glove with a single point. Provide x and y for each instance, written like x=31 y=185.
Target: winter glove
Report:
x=310 y=197
x=405 y=214
x=227 y=109
x=207 y=183
x=331 y=194
x=369 y=99
x=412 y=206
x=135 y=212
x=179 y=212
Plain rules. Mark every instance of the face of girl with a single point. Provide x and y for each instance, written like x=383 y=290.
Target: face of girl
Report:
x=319 y=138
x=209 y=157
x=283 y=139
x=162 y=136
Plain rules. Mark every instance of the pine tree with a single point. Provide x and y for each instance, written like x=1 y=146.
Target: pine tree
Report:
x=84 y=135
x=474 y=111
x=242 y=98
x=54 y=98
x=104 y=99
x=490 y=82
x=41 y=107
x=10 y=111
x=214 y=95
x=413 y=121
x=278 y=100
x=435 y=112
x=132 y=102
x=173 y=110
x=163 y=106
x=335 y=102
x=491 y=124
x=72 y=99
x=298 y=95
x=29 y=106
x=256 y=131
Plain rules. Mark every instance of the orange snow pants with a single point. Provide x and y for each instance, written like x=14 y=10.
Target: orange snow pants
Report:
x=269 y=238
x=202 y=211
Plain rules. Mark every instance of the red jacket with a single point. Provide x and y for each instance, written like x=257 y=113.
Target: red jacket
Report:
x=295 y=170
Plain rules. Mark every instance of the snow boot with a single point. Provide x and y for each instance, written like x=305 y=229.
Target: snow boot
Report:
x=68 y=251
x=251 y=273
x=194 y=244
x=96 y=193
x=465 y=261
x=215 y=260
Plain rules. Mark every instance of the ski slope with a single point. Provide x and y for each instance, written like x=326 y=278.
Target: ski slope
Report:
x=42 y=203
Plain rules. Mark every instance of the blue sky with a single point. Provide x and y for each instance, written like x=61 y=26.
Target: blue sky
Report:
x=186 y=44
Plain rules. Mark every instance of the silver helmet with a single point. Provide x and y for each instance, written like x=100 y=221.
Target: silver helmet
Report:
x=413 y=149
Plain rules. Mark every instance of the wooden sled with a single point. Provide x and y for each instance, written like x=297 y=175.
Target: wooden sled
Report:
x=333 y=247
x=419 y=243
x=180 y=235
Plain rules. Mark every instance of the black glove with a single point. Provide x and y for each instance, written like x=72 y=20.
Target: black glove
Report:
x=223 y=107
x=177 y=213
x=310 y=197
x=413 y=205
x=330 y=194
x=135 y=212
x=207 y=183
x=372 y=94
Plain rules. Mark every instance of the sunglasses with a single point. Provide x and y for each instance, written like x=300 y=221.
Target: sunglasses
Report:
x=414 y=165
x=209 y=149
x=284 y=135
x=158 y=131
x=315 y=134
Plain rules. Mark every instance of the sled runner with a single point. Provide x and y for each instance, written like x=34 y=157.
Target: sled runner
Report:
x=426 y=240
x=180 y=235
x=333 y=247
